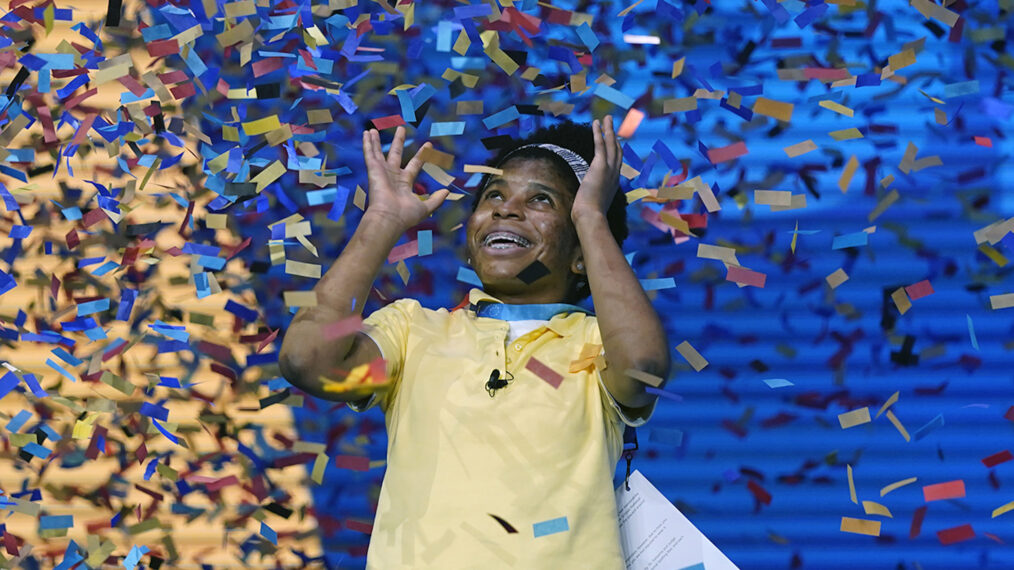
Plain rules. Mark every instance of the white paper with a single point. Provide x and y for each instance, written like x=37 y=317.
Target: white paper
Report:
x=656 y=536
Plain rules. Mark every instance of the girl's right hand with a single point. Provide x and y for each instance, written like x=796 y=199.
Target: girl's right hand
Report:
x=390 y=194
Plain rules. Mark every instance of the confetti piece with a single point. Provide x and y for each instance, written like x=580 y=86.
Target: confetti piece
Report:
x=759 y=493
x=854 y=418
x=738 y=274
x=852 y=485
x=353 y=462
x=930 y=426
x=847 y=173
x=649 y=379
x=983 y=141
x=956 y=534
x=940 y=491
x=268 y=533
x=874 y=508
x=614 y=96
x=506 y=525
x=1004 y=301
x=1006 y=508
x=897 y=425
x=901 y=301
x=535 y=271
x=772 y=197
x=691 y=355
x=630 y=123
x=300 y=298
x=836 y=278
x=664 y=436
x=846 y=134
x=777 y=383
x=897 y=485
x=552 y=377
x=860 y=526
x=919 y=290
x=551 y=526
x=800 y=148
x=774 y=109
x=727 y=153
x=997 y=458
x=836 y=107
x=855 y=239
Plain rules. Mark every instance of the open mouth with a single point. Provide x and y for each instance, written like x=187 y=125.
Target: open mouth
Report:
x=504 y=241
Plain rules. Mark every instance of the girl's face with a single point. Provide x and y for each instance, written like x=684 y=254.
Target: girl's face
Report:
x=523 y=217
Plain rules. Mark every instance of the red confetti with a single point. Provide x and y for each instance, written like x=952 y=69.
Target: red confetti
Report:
x=1010 y=414
x=758 y=492
x=956 y=534
x=387 y=122
x=353 y=462
x=940 y=491
x=366 y=528
x=997 y=458
x=984 y=141
x=726 y=153
x=917 y=518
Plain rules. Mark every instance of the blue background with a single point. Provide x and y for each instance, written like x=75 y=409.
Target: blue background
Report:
x=791 y=328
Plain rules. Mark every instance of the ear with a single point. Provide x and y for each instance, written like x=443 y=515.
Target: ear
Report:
x=578 y=258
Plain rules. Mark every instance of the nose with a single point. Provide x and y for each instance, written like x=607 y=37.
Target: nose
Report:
x=509 y=208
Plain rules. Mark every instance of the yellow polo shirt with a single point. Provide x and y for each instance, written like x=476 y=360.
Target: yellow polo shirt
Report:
x=531 y=453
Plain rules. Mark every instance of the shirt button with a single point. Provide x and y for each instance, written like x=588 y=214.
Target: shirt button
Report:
x=517 y=346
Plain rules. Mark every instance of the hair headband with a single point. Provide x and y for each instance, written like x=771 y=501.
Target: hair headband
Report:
x=573 y=159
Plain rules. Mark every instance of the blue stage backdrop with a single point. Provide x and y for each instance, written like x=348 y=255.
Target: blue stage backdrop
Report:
x=882 y=129
x=818 y=203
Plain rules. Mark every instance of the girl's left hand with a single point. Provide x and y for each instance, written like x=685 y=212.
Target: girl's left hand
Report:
x=602 y=180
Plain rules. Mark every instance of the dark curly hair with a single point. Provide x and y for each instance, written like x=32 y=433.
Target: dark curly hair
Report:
x=575 y=137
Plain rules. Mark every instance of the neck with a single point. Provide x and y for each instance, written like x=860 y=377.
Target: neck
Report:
x=527 y=297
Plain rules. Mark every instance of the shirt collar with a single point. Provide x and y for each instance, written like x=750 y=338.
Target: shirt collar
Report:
x=563 y=322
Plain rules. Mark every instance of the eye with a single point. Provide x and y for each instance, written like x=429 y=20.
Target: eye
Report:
x=490 y=193
x=543 y=196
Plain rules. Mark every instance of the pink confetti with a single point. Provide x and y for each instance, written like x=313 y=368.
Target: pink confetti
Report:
x=344 y=327
x=552 y=377
x=746 y=276
x=919 y=290
x=726 y=153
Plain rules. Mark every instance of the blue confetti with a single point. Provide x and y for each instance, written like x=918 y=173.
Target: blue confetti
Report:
x=269 y=533
x=971 y=332
x=850 y=240
x=552 y=526
x=929 y=427
x=18 y=421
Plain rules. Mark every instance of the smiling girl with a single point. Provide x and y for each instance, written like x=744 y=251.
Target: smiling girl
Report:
x=505 y=415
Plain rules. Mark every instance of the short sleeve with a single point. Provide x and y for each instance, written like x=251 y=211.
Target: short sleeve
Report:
x=629 y=416
x=388 y=327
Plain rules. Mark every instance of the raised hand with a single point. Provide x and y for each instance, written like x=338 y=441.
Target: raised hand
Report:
x=390 y=194
x=603 y=177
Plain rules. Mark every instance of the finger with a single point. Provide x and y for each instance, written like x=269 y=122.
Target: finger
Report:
x=610 y=141
x=597 y=136
x=368 y=157
x=416 y=164
x=434 y=200
x=397 y=145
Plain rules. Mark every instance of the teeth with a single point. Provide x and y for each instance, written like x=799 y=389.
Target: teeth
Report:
x=505 y=236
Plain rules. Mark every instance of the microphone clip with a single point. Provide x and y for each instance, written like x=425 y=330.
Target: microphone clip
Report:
x=495 y=382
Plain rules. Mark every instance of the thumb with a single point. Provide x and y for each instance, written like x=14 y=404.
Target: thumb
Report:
x=435 y=200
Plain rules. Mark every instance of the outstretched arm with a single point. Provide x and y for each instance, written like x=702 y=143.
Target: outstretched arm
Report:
x=632 y=332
